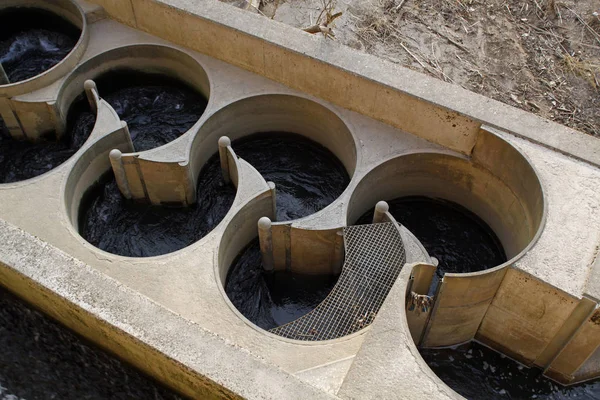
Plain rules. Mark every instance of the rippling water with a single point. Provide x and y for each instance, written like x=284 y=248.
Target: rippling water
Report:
x=33 y=41
x=276 y=298
x=308 y=176
x=459 y=239
x=128 y=228
x=156 y=108
x=20 y=160
x=476 y=372
x=42 y=360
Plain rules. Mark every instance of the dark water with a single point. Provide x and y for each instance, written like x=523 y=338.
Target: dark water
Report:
x=156 y=108
x=33 y=41
x=272 y=299
x=459 y=239
x=119 y=226
x=20 y=160
x=308 y=176
x=42 y=360
x=476 y=372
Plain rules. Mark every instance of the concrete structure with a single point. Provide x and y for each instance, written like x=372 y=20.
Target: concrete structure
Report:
x=395 y=131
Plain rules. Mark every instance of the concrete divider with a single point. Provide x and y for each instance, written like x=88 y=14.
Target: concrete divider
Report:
x=461 y=302
x=306 y=251
x=524 y=317
x=568 y=366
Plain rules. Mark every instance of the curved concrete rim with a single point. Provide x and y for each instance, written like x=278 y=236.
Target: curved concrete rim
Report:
x=332 y=113
x=197 y=244
x=98 y=60
x=57 y=71
x=450 y=153
x=221 y=287
x=75 y=156
x=535 y=237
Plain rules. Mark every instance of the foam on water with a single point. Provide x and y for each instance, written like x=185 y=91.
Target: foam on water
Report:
x=476 y=372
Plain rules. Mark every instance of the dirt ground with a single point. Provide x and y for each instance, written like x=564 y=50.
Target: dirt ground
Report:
x=539 y=55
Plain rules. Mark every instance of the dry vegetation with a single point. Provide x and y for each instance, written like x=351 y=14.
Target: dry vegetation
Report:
x=539 y=55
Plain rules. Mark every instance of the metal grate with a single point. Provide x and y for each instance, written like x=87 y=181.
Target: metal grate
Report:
x=374 y=257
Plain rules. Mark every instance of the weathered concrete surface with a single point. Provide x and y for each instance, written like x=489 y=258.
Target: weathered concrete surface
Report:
x=461 y=303
x=389 y=366
x=354 y=80
x=176 y=351
x=437 y=118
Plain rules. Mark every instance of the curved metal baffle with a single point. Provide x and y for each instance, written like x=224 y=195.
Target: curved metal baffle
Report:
x=374 y=257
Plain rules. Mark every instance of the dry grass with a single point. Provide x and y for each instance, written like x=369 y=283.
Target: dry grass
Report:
x=584 y=68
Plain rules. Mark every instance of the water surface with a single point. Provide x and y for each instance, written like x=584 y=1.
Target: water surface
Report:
x=32 y=41
x=271 y=299
x=41 y=360
x=157 y=109
x=307 y=175
x=476 y=372
x=129 y=228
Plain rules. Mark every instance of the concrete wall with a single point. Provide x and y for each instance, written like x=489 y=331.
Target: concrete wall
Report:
x=524 y=317
x=461 y=303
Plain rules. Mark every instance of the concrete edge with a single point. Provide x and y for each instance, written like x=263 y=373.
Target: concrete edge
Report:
x=366 y=67
x=173 y=350
x=389 y=351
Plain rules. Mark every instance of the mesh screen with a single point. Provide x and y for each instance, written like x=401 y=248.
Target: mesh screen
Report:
x=374 y=257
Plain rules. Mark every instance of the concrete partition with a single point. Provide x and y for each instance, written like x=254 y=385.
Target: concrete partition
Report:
x=239 y=233
x=569 y=365
x=93 y=163
x=524 y=317
x=461 y=303
x=306 y=251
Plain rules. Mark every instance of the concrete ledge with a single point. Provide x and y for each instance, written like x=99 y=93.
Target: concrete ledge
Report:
x=351 y=79
x=175 y=351
x=389 y=366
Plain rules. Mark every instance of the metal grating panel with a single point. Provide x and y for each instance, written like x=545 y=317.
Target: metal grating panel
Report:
x=374 y=257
